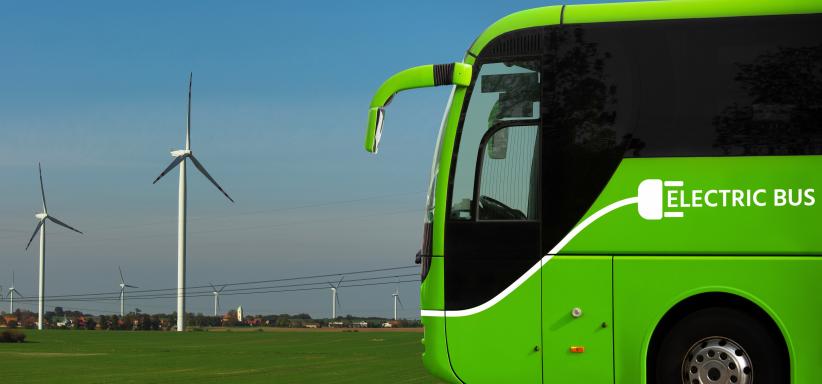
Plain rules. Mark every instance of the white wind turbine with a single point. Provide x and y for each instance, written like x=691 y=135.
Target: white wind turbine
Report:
x=41 y=226
x=396 y=295
x=216 y=293
x=180 y=157
x=12 y=291
x=335 y=298
x=123 y=287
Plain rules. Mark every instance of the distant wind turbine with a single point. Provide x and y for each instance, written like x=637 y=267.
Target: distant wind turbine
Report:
x=216 y=293
x=12 y=291
x=335 y=298
x=123 y=287
x=41 y=226
x=180 y=157
x=396 y=295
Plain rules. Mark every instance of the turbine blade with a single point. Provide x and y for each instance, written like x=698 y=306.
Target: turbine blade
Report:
x=132 y=286
x=42 y=189
x=221 y=289
x=17 y=292
x=171 y=166
x=37 y=228
x=205 y=173
x=63 y=224
x=339 y=282
x=400 y=301
x=188 y=117
x=213 y=287
x=337 y=296
x=122 y=280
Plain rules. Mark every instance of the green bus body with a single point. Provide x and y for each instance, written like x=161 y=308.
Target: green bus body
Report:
x=636 y=229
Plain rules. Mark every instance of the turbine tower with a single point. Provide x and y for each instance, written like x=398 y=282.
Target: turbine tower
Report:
x=180 y=157
x=216 y=293
x=41 y=226
x=335 y=298
x=123 y=287
x=12 y=291
x=396 y=295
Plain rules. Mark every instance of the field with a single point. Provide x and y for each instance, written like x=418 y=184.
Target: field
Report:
x=210 y=357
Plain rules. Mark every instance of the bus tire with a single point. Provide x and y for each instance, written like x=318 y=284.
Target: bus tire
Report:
x=721 y=345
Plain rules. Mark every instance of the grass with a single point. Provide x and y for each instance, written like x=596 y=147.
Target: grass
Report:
x=210 y=357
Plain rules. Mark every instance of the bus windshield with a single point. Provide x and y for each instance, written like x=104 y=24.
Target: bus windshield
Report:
x=504 y=93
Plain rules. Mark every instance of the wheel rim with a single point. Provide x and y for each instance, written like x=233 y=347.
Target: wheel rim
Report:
x=717 y=360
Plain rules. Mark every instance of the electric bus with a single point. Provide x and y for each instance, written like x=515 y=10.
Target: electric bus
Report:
x=627 y=193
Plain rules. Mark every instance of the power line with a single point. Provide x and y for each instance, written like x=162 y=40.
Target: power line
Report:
x=101 y=300
x=228 y=292
x=255 y=282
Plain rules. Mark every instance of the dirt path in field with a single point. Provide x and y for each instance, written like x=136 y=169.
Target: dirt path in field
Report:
x=354 y=330
x=50 y=354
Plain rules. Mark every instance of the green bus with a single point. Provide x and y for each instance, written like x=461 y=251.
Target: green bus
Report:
x=626 y=193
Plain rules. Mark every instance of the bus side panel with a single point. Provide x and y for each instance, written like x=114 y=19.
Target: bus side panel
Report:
x=582 y=282
x=435 y=357
x=502 y=343
x=787 y=288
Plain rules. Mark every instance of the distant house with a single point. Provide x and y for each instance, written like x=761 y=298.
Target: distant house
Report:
x=359 y=324
x=312 y=325
x=387 y=325
x=336 y=324
x=10 y=319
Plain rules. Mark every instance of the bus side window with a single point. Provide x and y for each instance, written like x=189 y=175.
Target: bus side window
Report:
x=508 y=187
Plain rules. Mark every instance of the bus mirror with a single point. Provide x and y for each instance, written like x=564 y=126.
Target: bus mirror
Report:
x=424 y=76
x=374 y=133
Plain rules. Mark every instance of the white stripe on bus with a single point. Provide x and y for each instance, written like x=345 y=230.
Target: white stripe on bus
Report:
x=533 y=270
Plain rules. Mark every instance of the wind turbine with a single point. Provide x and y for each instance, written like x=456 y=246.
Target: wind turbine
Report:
x=335 y=298
x=41 y=226
x=396 y=295
x=123 y=287
x=216 y=293
x=180 y=157
x=12 y=291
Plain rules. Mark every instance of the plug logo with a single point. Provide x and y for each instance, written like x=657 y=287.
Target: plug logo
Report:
x=651 y=199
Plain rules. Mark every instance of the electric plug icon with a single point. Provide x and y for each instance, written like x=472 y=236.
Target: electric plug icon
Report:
x=650 y=196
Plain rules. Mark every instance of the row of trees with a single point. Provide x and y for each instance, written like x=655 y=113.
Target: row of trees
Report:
x=137 y=321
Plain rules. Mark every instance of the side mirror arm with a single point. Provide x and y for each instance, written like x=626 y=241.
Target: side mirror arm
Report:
x=424 y=76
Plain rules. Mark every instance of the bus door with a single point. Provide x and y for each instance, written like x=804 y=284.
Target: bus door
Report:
x=492 y=252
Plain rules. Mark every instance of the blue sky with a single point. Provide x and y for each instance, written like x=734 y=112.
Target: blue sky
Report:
x=96 y=92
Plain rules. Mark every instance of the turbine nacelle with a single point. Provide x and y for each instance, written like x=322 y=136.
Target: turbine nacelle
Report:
x=41 y=216
x=181 y=153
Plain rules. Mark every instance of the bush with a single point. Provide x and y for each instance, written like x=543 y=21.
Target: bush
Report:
x=12 y=337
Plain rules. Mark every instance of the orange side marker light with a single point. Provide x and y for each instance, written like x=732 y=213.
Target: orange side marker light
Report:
x=577 y=349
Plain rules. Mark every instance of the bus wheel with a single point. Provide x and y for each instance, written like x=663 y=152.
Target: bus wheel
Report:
x=719 y=346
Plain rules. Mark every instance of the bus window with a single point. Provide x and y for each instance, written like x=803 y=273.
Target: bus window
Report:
x=508 y=185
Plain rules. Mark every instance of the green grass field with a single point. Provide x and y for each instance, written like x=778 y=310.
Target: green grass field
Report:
x=211 y=357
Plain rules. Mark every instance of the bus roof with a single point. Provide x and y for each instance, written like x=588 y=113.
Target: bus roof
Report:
x=636 y=11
